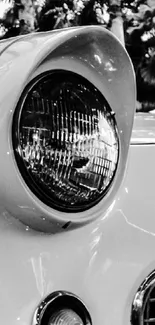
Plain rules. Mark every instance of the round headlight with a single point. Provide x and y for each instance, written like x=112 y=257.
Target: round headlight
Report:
x=65 y=141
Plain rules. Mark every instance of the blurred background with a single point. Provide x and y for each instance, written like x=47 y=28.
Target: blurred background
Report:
x=132 y=21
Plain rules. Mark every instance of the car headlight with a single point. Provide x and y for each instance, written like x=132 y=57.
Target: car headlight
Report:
x=65 y=141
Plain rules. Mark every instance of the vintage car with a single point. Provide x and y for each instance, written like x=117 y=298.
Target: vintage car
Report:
x=77 y=224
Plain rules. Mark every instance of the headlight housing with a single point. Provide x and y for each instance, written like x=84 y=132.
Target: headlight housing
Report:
x=65 y=141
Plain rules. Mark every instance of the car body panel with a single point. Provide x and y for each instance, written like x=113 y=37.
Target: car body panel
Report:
x=143 y=129
x=4 y=44
x=103 y=262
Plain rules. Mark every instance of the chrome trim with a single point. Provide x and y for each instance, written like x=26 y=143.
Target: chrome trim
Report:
x=142 y=141
x=51 y=299
x=143 y=129
x=141 y=299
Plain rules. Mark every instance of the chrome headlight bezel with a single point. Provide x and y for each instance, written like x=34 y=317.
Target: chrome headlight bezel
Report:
x=16 y=138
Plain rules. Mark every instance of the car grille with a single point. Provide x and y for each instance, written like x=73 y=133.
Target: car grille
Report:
x=143 y=307
x=149 y=308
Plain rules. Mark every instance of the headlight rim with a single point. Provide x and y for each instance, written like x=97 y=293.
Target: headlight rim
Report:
x=22 y=169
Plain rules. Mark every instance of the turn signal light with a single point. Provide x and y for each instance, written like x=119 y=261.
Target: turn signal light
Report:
x=65 y=317
x=61 y=308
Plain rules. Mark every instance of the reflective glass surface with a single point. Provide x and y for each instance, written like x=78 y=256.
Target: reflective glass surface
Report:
x=65 y=141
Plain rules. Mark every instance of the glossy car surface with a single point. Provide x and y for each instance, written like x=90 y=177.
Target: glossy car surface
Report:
x=102 y=261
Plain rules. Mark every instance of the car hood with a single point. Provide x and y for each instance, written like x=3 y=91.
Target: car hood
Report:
x=143 y=129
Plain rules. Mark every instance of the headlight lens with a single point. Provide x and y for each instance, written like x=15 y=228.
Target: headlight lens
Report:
x=65 y=317
x=65 y=141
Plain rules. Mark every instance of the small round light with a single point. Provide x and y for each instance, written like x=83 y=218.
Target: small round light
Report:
x=61 y=308
x=65 y=141
x=65 y=317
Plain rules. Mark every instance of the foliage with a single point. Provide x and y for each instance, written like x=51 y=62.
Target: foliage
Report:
x=24 y=16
